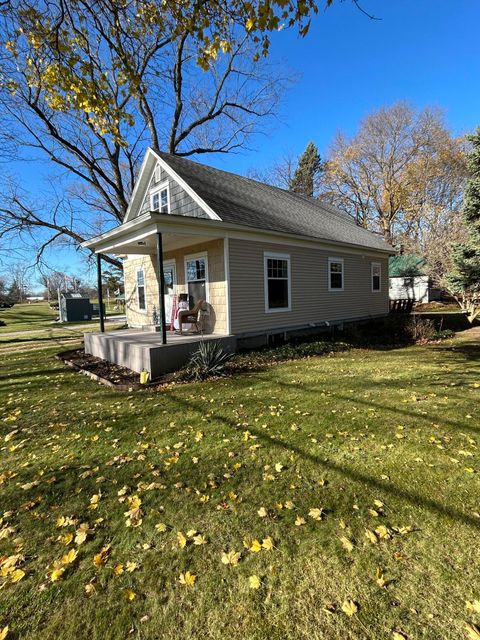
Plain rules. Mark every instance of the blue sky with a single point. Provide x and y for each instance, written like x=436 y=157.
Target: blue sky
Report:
x=422 y=51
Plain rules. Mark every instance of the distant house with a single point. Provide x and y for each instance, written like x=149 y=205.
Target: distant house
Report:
x=408 y=279
x=263 y=260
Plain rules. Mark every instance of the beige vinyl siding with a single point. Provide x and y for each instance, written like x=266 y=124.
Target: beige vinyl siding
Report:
x=216 y=321
x=311 y=301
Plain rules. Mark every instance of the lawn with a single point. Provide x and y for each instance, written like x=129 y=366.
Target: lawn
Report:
x=329 y=498
x=37 y=322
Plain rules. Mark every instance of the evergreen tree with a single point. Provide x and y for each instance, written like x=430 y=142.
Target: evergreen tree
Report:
x=308 y=169
x=464 y=278
x=15 y=293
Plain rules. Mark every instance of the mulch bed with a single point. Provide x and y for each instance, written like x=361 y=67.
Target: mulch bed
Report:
x=108 y=373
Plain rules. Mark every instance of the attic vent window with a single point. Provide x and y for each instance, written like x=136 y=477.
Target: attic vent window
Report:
x=160 y=199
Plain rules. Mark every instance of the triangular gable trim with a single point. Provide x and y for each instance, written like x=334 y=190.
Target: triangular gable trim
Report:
x=134 y=205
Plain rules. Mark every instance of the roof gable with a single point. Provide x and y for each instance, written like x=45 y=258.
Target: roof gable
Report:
x=140 y=203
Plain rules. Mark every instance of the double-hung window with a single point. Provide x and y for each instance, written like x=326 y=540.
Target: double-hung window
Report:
x=141 y=297
x=335 y=274
x=277 y=282
x=376 y=274
x=160 y=200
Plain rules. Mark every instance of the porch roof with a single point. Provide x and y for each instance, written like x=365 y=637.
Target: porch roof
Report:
x=138 y=236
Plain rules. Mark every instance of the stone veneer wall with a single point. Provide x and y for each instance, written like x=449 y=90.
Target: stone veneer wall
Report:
x=217 y=289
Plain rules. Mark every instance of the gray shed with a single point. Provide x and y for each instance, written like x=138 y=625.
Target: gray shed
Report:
x=74 y=307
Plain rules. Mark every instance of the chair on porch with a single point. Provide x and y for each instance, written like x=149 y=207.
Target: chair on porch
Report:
x=190 y=316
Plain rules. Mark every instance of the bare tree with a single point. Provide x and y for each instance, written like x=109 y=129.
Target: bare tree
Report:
x=400 y=173
x=86 y=88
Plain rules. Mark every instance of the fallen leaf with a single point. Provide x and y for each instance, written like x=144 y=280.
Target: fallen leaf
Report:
x=130 y=595
x=188 y=579
x=254 y=582
x=473 y=631
x=346 y=543
x=231 y=557
x=349 y=607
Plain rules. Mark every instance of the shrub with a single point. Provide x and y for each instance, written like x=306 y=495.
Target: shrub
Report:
x=210 y=359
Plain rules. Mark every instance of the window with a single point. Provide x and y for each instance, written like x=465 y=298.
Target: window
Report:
x=277 y=282
x=335 y=274
x=196 y=268
x=376 y=276
x=160 y=201
x=141 y=297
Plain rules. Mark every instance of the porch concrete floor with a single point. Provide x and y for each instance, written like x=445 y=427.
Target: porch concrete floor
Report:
x=143 y=350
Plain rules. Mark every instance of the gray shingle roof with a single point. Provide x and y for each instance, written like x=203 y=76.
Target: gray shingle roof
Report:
x=244 y=201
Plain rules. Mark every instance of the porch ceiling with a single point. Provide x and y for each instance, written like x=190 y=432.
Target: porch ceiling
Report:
x=139 y=235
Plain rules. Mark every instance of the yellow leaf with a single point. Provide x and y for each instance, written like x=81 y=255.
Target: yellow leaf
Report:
x=182 y=540
x=473 y=631
x=254 y=582
x=473 y=606
x=188 y=579
x=161 y=527
x=347 y=544
x=231 y=557
x=255 y=546
x=66 y=539
x=131 y=566
x=100 y=558
x=57 y=573
x=300 y=521
x=349 y=607
x=262 y=512
x=316 y=514
x=3 y=633
x=90 y=589
x=278 y=467
x=69 y=557
x=399 y=635
x=118 y=569
x=249 y=24
x=267 y=543
x=371 y=535
x=199 y=539
x=130 y=595
x=17 y=575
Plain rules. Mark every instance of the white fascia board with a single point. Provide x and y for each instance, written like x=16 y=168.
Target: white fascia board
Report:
x=133 y=205
x=149 y=162
x=186 y=187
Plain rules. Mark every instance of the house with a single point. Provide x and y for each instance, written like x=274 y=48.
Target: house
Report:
x=408 y=279
x=266 y=262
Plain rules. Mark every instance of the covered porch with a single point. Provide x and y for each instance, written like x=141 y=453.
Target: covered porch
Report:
x=144 y=351
x=166 y=258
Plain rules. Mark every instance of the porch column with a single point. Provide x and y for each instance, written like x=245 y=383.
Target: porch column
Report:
x=161 y=288
x=100 y=292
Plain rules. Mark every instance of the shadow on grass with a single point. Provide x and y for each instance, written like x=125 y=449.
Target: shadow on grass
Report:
x=356 y=476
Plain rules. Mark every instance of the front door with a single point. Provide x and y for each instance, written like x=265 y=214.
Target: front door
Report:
x=170 y=278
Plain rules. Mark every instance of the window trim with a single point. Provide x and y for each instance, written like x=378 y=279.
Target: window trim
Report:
x=161 y=187
x=333 y=260
x=197 y=256
x=277 y=256
x=137 y=271
x=379 y=265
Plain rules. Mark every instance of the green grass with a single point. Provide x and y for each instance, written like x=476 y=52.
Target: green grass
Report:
x=34 y=322
x=27 y=316
x=399 y=427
